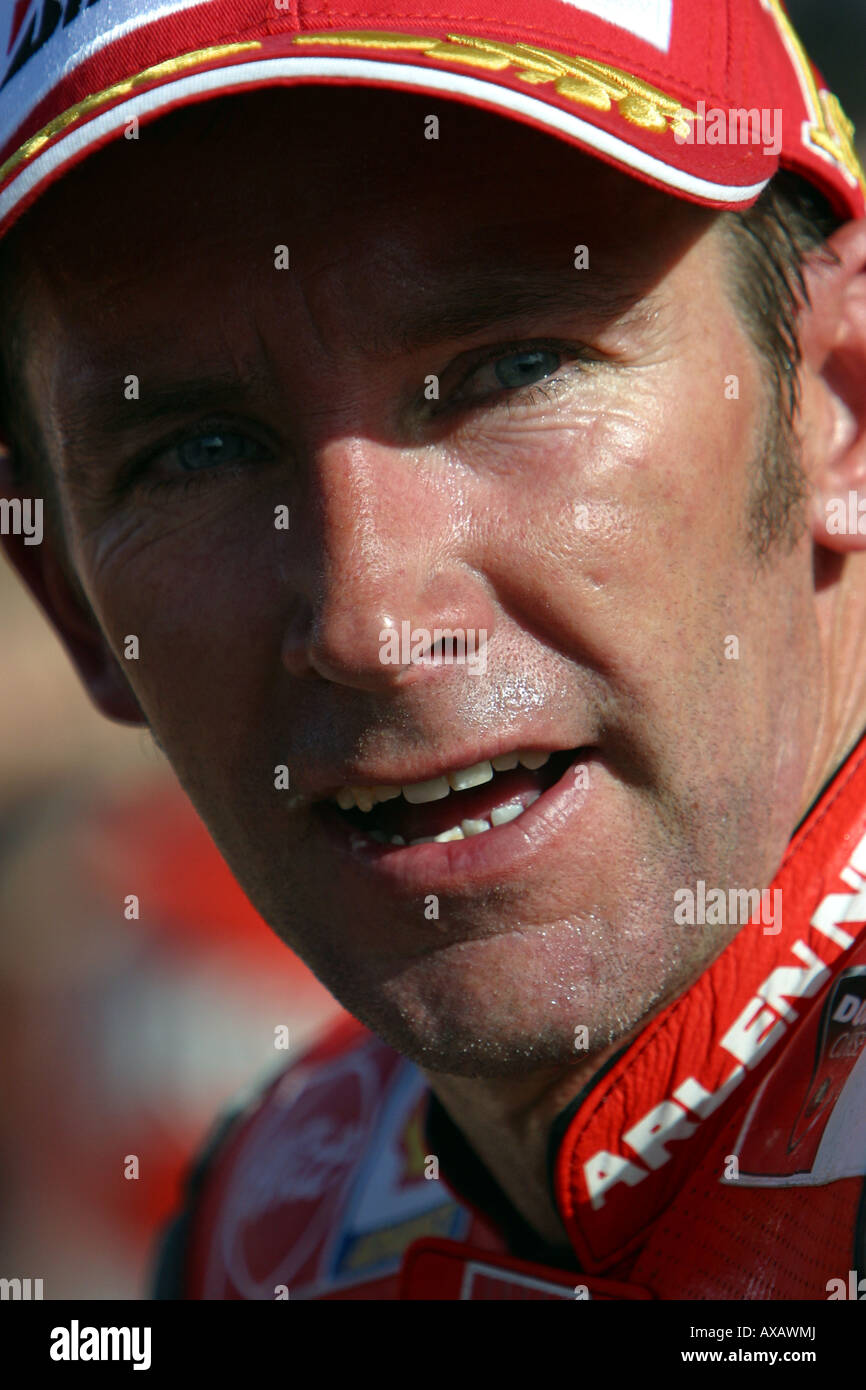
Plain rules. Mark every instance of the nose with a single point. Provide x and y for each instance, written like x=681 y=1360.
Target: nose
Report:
x=383 y=557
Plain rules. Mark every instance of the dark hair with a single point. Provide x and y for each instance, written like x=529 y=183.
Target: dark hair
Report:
x=771 y=241
x=769 y=244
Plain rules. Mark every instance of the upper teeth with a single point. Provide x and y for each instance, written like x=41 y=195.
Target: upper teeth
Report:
x=365 y=798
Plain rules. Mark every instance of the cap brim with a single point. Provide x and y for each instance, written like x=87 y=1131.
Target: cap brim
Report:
x=632 y=126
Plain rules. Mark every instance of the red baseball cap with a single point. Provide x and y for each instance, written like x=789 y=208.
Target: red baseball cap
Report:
x=705 y=100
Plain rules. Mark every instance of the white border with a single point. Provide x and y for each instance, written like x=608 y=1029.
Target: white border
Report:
x=400 y=74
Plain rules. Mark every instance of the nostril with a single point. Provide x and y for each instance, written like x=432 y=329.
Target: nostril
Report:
x=444 y=649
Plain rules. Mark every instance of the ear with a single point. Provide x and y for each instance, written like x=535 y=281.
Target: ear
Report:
x=833 y=401
x=41 y=562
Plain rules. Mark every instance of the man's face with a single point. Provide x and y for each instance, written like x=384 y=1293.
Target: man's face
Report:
x=579 y=490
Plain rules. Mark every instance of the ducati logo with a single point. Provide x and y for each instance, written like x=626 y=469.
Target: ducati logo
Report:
x=842 y=1038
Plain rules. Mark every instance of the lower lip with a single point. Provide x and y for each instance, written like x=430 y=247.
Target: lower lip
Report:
x=494 y=856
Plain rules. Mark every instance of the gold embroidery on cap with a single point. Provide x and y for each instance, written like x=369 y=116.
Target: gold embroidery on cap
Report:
x=830 y=130
x=580 y=80
x=92 y=103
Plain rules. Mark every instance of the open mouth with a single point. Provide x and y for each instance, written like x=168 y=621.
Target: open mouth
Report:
x=456 y=805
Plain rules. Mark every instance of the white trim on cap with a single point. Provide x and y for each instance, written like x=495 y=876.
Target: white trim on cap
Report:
x=364 y=70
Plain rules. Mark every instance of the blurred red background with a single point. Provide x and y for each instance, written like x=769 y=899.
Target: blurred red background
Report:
x=120 y=1035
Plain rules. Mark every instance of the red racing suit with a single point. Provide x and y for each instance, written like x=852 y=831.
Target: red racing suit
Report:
x=720 y=1154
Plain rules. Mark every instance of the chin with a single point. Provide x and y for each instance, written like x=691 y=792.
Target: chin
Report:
x=455 y=1013
x=489 y=1050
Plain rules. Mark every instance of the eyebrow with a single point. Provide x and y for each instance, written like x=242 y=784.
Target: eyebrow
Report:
x=473 y=303
x=478 y=303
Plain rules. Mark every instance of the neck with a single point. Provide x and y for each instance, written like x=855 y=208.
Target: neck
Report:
x=507 y=1123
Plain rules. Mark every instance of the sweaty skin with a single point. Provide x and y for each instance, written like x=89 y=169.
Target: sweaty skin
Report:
x=594 y=523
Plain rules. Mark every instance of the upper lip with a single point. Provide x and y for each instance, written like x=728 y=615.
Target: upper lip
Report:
x=413 y=769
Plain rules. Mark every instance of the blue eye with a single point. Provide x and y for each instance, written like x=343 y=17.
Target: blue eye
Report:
x=521 y=368
x=206 y=450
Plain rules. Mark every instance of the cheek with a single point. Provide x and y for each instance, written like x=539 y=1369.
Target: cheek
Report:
x=204 y=602
x=620 y=545
x=625 y=516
